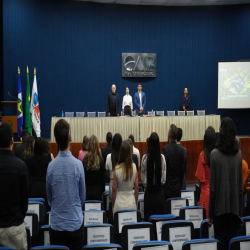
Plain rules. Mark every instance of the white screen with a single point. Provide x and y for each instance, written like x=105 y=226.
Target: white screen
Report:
x=233 y=85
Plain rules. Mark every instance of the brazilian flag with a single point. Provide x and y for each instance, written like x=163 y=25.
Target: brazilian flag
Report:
x=27 y=114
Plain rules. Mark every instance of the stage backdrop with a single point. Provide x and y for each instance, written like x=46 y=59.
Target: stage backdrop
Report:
x=77 y=49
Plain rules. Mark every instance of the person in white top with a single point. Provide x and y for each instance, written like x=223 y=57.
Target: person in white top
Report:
x=127 y=103
x=135 y=150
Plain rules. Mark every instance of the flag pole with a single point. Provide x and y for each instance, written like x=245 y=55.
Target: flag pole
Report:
x=35 y=71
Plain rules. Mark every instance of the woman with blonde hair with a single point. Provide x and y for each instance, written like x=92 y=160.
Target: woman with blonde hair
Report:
x=29 y=149
x=93 y=164
x=125 y=178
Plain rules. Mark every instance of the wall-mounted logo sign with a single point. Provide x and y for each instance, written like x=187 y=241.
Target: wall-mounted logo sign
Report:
x=138 y=65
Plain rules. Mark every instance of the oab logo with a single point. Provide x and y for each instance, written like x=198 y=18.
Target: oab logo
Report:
x=138 y=65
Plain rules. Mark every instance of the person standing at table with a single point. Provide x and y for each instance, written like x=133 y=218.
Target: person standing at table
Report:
x=113 y=102
x=185 y=101
x=140 y=100
x=127 y=103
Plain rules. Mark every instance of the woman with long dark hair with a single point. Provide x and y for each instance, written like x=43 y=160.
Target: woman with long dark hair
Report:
x=112 y=160
x=84 y=149
x=203 y=167
x=226 y=187
x=29 y=149
x=125 y=178
x=38 y=166
x=93 y=164
x=153 y=175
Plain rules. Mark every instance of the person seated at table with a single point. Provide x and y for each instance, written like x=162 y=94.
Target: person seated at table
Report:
x=127 y=103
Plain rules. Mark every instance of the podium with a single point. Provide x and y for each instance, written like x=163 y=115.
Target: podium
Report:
x=11 y=119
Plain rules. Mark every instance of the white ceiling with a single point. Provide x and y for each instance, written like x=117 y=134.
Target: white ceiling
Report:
x=173 y=2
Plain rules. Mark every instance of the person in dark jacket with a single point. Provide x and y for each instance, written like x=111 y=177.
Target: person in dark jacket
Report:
x=21 y=147
x=113 y=105
x=175 y=162
x=14 y=193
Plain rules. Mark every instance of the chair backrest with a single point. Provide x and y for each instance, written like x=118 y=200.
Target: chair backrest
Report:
x=133 y=233
x=171 y=113
x=200 y=112
x=106 y=201
x=141 y=196
x=141 y=188
x=95 y=217
x=181 y=113
x=123 y=217
x=150 y=113
x=106 y=187
x=158 y=220
x=80 y=114
x=141 y=207
x=93 y=232
x=196 y=215
x=38 y=208
x=101 y=114
x=190 y=112
x=31 y=221
x=47 y=218
x=211 y=244
x=206 y=232
x=91 y=114
x=51 y=247
x=240 y=243
x=6 y=248
x=245 y=229
x=190 y=195
x=160 y=113
x=102 y=246
x=173 y=205
x=44 y=236
x=92 y=205
x=153 y=245
x=69 y=114
x=177 y=232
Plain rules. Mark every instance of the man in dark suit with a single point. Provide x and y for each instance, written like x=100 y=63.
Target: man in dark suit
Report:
x=178 y=141
x=113 y=105
x=174 y=157
x=140 y=101
x=21 y=147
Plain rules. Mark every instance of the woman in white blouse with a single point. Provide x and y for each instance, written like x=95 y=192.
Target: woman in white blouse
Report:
x=127 y=103
x=153 y=176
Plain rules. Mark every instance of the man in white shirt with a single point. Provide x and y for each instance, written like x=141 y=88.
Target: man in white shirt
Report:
x=127 y=103
x=135 y=150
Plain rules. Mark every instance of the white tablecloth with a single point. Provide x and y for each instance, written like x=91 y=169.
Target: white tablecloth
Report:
x=141 y=127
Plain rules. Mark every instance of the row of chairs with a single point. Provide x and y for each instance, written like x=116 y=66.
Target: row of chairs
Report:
x=158 y=113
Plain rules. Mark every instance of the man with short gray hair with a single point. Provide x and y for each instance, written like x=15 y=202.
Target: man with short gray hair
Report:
x=174 y=157
x=113 y=107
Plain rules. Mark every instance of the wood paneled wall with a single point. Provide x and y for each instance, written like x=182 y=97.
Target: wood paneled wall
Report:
x=193 y=148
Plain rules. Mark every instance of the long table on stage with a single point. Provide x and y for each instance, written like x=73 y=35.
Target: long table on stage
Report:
x=193 y=127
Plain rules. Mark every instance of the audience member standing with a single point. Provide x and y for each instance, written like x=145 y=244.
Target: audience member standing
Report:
x=29 y=149
x=135 y=150
x=203 y=169
x=66 y=193
x=175 y=162
x=134 y=156
x=153 y=175
x=84 y=149
x=226 y=189
x=113 y=104
x=38 y=165
x=178 y=141
x=125 y=179
x=108 y=148
x=13 y=192
x=245 y=175
x=94 y=170
x=21 y=147
x=112 y=160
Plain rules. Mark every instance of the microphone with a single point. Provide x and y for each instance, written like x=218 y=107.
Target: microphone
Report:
x=13 y=97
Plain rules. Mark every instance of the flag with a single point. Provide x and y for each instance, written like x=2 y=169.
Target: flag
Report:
x=19 y=106
x=35 y=112
x=27 y=117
